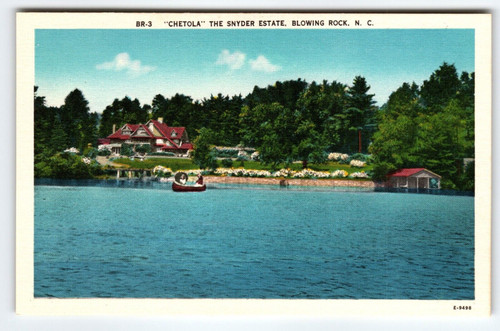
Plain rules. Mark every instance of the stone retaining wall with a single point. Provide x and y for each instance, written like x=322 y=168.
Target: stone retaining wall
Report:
x=298 y=182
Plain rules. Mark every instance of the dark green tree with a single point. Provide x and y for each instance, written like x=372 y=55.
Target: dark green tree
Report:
x=358 y=115
x=111 y=116
x=276 y=133
x=77 y=122
x=46 y=122
x=204 y=154
x=440 y=88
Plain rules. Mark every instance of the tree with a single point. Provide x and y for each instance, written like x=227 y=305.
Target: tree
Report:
x=308 y=147
x=221 y=114
x=111 y=116
x=158 y=106
x=79 y=125
x=44 y=120
x=359 y=114
x=204 y=155
x=323 y=105
x=285 y=93
x=276 y=134
x=132 y=112
x=440 y=88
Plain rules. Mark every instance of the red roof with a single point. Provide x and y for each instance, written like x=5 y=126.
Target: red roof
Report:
x=103 y=141
x=185 y=146
x=406 y=172
x=145 y=129
x=165 y=131
x=118 y=134
x=169 y=147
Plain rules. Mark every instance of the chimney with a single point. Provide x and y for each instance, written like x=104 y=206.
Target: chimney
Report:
x=114 y=128
x=160 y=119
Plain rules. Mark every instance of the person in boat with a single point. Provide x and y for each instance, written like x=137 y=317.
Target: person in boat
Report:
x=199 y=181
x=181 y=178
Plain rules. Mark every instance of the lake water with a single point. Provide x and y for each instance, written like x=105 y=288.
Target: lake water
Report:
x=130 y=239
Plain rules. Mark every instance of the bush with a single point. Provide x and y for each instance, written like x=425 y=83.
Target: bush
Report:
x=465 y=180
x=447 y=184
x=144 y=148
x=67 y=166
x=127 y=150
x=243 y=158
x=228 y=163
x=104 y=152
x=226 y=153
x=162 y=154
x=360 y=157
x=90 y=152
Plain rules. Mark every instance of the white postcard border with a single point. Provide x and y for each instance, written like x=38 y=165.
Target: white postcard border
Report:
x=27 y=304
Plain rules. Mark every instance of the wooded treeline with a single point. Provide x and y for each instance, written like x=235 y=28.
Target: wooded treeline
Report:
x=429 y=126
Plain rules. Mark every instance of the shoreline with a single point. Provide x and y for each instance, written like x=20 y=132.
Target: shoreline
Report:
x=325 y=183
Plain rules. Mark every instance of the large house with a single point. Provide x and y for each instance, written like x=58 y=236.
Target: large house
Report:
x=160 y=136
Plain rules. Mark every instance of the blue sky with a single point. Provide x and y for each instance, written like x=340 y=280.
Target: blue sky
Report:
x=109 y=64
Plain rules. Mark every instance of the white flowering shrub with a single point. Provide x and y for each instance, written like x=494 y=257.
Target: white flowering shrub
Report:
x=72 y=150
x=242 y=153
x=309 y=173
x=360 y=174
x=255 y=156
x=161 y=171
x=337 y=157
x=357 y=163
x=86 y=160
x=283 y=173
x=339 y=174
x=241 y=172
x=288 y=173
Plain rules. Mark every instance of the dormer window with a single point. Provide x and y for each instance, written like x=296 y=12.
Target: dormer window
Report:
x=174 y=134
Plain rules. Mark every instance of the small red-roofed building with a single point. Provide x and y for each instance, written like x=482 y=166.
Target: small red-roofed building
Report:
x=418 y=178
x=160 y=136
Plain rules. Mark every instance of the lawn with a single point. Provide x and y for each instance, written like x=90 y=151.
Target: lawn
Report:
x=187 y=164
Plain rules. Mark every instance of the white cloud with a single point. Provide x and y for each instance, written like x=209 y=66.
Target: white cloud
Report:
x=123 y=61
x=233 y=60
x=261 y=63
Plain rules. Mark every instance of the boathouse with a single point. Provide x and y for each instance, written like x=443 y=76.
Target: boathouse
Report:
x=417 y=178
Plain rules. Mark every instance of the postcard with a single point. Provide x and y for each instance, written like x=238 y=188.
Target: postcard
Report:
x=316 y=164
